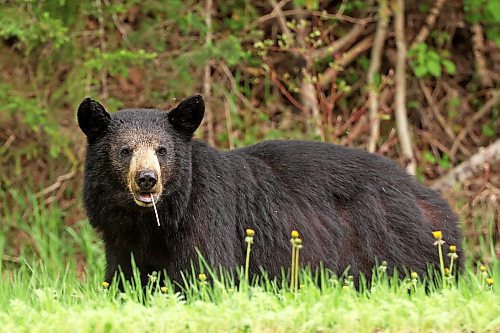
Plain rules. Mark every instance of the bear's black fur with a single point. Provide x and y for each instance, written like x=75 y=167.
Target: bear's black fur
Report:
x=352 y=208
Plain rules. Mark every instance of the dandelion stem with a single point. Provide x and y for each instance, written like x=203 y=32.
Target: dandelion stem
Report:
x=296 y=279
x=247 y=261
x=452 y=259
x=292 y=274
x=441 y=263
x=249 y=240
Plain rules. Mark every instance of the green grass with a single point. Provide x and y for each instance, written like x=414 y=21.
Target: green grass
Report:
x=47 y=291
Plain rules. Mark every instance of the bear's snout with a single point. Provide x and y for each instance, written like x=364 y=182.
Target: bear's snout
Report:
x=146 y=180
x=144 y=176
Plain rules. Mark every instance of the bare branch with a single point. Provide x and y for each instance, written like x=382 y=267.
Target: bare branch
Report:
x=60 y=180
x=103 y=46
x=120 y=27
x=308 y=95
x=279 y=16
x=376 y=56
x=432 y=105
x=478 y=50
x=341 y=43
x=300 y=11
x=349 y=56
x=234 y=86
x=430 y=20
x=467 y=169
x=493 y=101
x=207 y=78
x=229 y=122
x=400 y=83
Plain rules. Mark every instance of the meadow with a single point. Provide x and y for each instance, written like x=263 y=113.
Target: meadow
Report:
x=55 y=285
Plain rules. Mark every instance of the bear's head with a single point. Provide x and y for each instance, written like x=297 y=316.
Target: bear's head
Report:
x=142 y=155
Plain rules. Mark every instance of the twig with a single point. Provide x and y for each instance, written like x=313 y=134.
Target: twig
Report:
x=493 y=101
x=6 y=257
x=285 y=92
x=59 y=182
x=400 y=82
x=430 y=20
x=356 y=114
x=391 y=141
x=234 y=86
x=279 y=16
x=120 y=28
x=376 y=56
x=432 y=105
x=349 y=56
x=8 y=142
x=229 y=123
x=294 y=12
x=207 y=81
x=465 y=170
x=342 y=42
x=308 y=94
x=478 y=49
x=103 y=46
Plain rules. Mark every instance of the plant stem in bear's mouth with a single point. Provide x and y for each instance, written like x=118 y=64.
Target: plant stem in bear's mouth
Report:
x=154 y=206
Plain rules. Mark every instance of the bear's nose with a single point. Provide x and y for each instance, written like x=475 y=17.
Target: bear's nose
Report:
x=146 y=179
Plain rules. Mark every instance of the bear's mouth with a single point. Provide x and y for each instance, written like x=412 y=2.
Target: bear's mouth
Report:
x=145 y=199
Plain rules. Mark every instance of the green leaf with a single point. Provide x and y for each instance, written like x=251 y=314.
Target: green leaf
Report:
x=433 y=55
x=488 y=130
x=449 y=66
x=420 y=71
x=434 y=67
x=492 y=9
x=428 y=157
x=445 y=162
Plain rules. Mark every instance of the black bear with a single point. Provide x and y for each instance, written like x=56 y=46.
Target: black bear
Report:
x=352 y=208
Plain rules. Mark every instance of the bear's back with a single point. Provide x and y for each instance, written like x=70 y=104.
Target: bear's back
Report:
x=345 y=170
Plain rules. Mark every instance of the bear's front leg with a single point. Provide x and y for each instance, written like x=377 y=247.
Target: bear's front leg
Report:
x=117 y=263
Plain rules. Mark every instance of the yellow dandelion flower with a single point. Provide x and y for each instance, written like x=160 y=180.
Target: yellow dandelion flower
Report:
x=202 y=277
x=105 y=284
x=250 y=232
x=490 y=281
x=414 y=275
x=164 y=290
x=295 y=234
x=438 y=235
x=482 y=268
x=453 y=248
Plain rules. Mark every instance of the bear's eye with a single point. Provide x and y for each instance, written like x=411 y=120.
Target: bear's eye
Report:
x=162 y=151
x=125 y=152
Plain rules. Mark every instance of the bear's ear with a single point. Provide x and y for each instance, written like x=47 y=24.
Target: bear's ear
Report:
x=187 y=116
x=92 y=118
